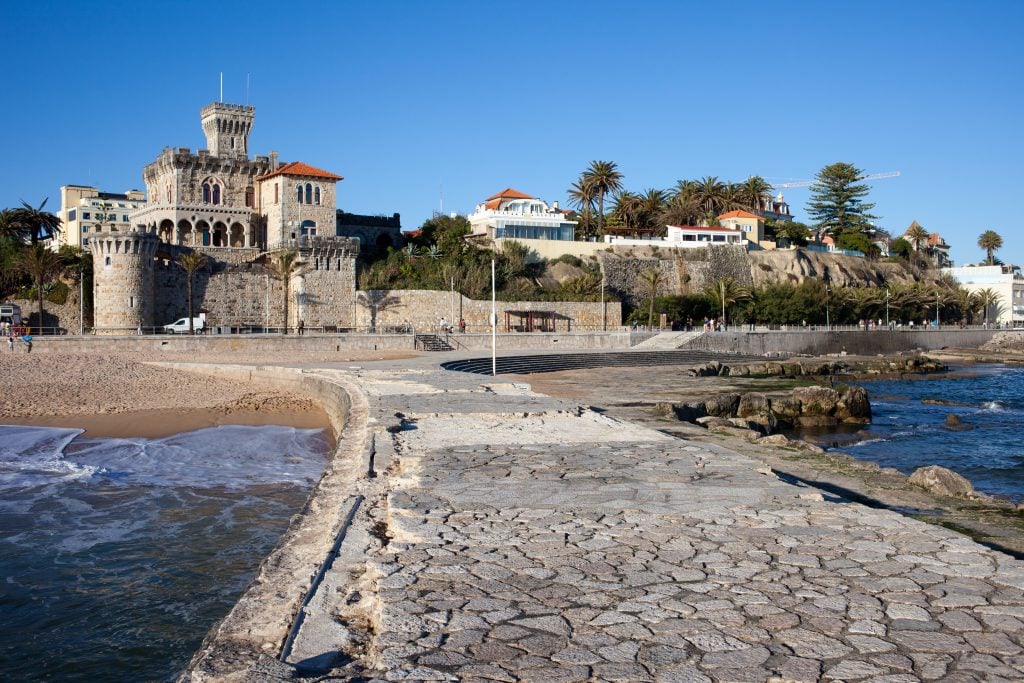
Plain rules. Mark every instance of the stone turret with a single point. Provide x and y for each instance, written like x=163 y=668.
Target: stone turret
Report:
x=227 y=128
x=122 y=267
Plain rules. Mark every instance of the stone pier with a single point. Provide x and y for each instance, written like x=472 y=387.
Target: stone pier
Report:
x=492 y=533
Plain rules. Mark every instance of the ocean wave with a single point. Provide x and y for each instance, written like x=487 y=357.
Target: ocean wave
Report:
x=865 y=442
x=993 y=406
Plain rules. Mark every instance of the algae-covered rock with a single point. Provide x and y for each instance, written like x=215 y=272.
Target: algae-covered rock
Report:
x=722 y=406
x=943 y=482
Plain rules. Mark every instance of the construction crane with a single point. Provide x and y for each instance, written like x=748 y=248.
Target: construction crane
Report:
x=808 y=183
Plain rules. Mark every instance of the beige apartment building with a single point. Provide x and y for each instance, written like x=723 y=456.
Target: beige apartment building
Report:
x=86 y=212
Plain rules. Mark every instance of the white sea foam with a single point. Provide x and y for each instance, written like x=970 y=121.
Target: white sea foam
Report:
x=865 y=442
x=230 y=456
x=992 y=406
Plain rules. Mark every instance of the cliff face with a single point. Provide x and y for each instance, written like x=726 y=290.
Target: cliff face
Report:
x=687 y=271
x=797 y=265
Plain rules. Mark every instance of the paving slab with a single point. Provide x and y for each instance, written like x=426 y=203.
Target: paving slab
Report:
x=518 y=537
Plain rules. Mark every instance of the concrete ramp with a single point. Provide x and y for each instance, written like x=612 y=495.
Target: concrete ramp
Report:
x=669 y=340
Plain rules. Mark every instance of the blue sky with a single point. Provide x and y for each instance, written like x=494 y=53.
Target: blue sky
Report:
x=411 y=99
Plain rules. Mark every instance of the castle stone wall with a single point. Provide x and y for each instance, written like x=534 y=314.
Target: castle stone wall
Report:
x=123 y=281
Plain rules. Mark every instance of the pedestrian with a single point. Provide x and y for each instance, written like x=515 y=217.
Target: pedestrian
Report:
x=443 y=324
x=462 y=325
x=27 y=339
x=302 y=326
x=10 y=342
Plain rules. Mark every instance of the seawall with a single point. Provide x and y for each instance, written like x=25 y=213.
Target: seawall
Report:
x=853 y=342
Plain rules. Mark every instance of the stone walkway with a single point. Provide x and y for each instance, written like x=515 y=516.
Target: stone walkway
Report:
x=509 y=536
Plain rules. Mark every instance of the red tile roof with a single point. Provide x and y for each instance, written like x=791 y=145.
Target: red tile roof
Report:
x=300 y=169
x=738 y=214
x=508 y=193
x=935 y=239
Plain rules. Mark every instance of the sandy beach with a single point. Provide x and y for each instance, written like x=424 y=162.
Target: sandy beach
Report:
x=120 y=395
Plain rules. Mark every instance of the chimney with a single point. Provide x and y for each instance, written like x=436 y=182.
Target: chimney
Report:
x=555 y=205
x=273 y=161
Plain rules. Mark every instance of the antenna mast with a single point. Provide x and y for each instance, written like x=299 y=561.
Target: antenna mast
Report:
x=222 y=87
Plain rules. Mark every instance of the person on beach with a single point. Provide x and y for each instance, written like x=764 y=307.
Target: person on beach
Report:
x=302 y=327
x=27 y=340
x=10 y=342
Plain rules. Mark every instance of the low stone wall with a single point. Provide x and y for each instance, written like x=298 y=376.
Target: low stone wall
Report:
x=854 y=342
x=260 y=621
x=423 y=309
x=325 y=344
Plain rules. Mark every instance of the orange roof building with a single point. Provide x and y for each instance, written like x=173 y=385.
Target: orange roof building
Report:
x=511 y=214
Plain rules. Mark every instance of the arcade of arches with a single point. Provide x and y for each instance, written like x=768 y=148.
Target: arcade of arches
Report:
x=204 y=233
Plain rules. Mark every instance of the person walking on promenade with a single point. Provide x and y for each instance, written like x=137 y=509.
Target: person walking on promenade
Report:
x=462 y=325
x=10 y=342
x=302 y=327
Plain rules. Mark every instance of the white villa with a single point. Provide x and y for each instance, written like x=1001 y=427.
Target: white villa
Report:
x=1006 y=281
x=685 y=237
x=512 y=214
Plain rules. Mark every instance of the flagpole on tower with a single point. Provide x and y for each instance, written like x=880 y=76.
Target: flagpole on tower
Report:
x=222 y=87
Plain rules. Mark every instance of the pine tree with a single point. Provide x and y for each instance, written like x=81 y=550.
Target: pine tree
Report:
x=837 y=200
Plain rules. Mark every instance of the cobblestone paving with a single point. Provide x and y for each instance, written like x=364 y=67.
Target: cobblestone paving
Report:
x=565 y=546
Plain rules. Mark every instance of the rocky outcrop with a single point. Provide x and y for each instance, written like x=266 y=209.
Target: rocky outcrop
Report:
x=815 y=368
x=767 y=413
x=1005 y=341
x=944 y=482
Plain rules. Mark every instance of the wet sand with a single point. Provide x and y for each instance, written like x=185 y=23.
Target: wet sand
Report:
x=122 y=396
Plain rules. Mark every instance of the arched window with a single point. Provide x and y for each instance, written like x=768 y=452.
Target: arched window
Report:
x=309 y=193
x=206 y=193
x=298 y=190
x=316 y=196
x=216 y=194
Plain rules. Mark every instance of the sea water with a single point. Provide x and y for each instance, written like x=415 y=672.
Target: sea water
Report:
x=906 y=432
x=118 y=555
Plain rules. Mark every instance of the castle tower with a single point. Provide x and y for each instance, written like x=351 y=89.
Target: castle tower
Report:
x=227 y=128
x=122 y=270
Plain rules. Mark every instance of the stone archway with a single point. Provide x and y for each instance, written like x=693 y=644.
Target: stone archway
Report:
x=220 y=235
x=237 y=238
x=202 y=234
x=184 y=233
x=166 y=230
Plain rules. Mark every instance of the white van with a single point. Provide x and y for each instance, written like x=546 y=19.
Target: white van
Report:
x=181 y=326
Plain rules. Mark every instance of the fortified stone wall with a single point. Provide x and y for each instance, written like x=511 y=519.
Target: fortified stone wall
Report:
x=123 y=280
x=423 y=310
x=326 y=289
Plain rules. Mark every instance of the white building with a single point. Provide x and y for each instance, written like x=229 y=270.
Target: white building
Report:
x=1006 y=281
x=511 y=214
x=685 y=237
x=86 y=211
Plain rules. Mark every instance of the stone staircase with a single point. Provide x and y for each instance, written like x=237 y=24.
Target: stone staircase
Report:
x=669 y=340
x=572 y=361
x=432 y=342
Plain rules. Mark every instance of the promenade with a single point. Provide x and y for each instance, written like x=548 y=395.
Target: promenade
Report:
x=505 y=535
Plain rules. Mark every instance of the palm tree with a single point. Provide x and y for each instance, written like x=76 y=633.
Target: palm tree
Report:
x=711 y=195
x=724 y=292
x=652 y=206
x=627 y=208
x=916 y=234
x=991 y=242
x=652 y=279
x=10 y=227
x=36 y=223
x=191 y=261
x=755 y=192
x=42 y=265
x=283 y=266
x=604 y=178
x=581 y=196
x=987 y=300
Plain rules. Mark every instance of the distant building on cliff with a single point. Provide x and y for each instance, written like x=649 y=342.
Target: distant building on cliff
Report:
x=1006 y=281
x=511 y=214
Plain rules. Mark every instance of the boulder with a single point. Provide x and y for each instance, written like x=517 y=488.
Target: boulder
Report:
x=753 y=405
x=747 y=434
x=816 y=401
x=774 y=440
x=853 y=405
x=722 y=406
x=943 y=482
x=785 y=408
x=955 y=424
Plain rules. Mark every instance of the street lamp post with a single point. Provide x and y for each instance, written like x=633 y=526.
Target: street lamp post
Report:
x=936 y=309
x=828 y=293
x=887 y=308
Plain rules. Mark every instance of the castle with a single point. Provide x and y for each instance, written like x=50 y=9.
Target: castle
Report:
x=238 y=211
